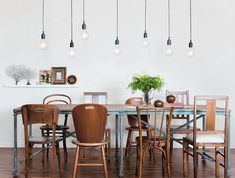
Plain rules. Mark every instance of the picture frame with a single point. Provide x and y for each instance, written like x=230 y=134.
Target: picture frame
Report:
x=58 y=75
x=44 y=76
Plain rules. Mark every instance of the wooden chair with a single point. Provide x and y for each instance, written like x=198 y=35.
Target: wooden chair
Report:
x=61 y=129
x=158 y=139
x=40 y=114
x=181 y=97
x=133 y=124
x=89 y=122
x=209 y=136
x=99 y=98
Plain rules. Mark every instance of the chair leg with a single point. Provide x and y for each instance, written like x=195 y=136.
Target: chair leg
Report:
x=65 y=147
x=48 y=144
x=137 y=160
x=168 y=161
x=140 y=162
x=77 y=157
x=171 y=148
x=43 y=146
x=128 y=142
x=163 y=165
x=185 y=159
x=26 y=160
x=104 y=162
x=217 y=162
x=225 y=162
x=58 y=157
x=195 y=163
x=150 y=150
x=53 y=159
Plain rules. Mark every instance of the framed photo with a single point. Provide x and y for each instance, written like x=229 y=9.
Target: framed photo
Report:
x=58 y=75
x=45 y=76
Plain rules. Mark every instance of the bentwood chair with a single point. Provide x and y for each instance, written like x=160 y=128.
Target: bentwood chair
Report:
x=99 y=98
x=211 y=136
x=158 y=139
x=40 y=114
x=133 y=124
x=61 y=129
x=89 y=122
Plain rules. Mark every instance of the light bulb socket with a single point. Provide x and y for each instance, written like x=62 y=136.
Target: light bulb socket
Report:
x=71 y=45
x=43 y=36
x=190 y=45
x=168 y=41
x=83 y=25
x=117 y=41
x=145 y=34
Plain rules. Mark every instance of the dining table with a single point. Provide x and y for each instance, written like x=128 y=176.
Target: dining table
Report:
x=120 y=111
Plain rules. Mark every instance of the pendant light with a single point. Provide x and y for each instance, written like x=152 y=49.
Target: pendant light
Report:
x=85 y=34
x=145 y=42
x=71 y=45
x=117 y=49
x=169 y=50
x=43 y=44
x=190 y=46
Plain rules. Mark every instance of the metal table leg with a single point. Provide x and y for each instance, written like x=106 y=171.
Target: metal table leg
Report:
x=15 y=161
x=116 y=130
x=121 y=158
x=228 y=147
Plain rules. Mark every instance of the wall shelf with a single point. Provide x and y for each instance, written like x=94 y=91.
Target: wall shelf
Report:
x=40 y=86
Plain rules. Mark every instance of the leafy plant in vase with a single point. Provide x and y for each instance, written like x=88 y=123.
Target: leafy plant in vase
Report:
x=146 y=84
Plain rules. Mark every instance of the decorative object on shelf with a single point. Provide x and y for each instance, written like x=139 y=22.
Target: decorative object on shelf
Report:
x=158 y=103
x=58 y=75
x=146 y=84
x=71 y=79
x=45 y=76
x=145 y=36
x=190 y=45
x=117 y=49
x=169 y=50
x=71 y=45
x=16 y=72
x=85 y=34
x=29 y=75
x=170 y=98
x=43 y=44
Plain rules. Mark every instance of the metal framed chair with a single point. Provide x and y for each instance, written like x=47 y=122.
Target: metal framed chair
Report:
x=158 y=139
x=89 y=122
x=40 y=114
x=210 y=136
x=61 y=129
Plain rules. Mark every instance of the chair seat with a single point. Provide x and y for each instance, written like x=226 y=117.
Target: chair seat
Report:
x=145 y=141
x=41 y=140
x=184 y=130
x=207 y=137
x=58 y=127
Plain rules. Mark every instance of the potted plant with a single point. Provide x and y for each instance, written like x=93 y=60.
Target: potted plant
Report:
x=146 y=84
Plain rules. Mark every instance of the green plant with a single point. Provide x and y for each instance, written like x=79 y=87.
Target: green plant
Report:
x=146 y=83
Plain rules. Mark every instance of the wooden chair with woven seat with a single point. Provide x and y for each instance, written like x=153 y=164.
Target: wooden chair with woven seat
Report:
x=133 y=124
x=158 y=139
x=40 y=114
x=61 y=129
x=89 y=122
x=99 y=98
x=211 y=136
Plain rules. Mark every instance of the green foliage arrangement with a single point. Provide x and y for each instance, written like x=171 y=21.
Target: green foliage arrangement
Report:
x=146 y=83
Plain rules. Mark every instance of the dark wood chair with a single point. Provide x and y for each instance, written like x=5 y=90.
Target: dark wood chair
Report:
x=133 y=124
x=158 y=139
x=89 y=122
x=210 y=136
x=183 y=98
x=61 y=129
x=99 y=98
x=40 y=114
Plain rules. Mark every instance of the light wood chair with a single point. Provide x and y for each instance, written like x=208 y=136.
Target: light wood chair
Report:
x=210 y=136
x=40 y=114
x=61 y=129
x=99 y=98
x=133 y=124
x=158 y=139
x=89 y=122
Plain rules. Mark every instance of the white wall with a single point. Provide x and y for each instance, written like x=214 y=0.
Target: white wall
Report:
x=211 y=71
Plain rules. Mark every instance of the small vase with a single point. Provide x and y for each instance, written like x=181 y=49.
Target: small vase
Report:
x=158 y=103
x=170 y=99
x=146 y=98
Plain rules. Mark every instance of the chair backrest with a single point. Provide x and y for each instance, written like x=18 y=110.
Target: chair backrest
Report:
x=57 y=99
x=89 y=122
x=95 y=97
x=209 y=105
x=161 y=132
x=132 y=119
x=181 y=96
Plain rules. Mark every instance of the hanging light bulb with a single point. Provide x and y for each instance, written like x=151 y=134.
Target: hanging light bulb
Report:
x=85 y=34
x=190 y=45
x=145 y=41
x=71 y=44
x=43 y=44
x=169 y=50
x=117 y=49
